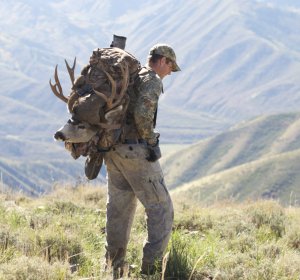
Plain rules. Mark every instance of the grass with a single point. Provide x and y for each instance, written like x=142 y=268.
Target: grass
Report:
x=62 y=236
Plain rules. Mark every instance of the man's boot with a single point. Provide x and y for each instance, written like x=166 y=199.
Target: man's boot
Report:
x=115 y=262
x=147 y=269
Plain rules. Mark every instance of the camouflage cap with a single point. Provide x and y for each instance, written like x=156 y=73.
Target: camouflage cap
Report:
x=166 y=51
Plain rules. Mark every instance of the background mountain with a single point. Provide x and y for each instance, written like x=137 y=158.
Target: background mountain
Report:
x=249 y=141
x=240 y=59
x=275 y=177
x=257 y=159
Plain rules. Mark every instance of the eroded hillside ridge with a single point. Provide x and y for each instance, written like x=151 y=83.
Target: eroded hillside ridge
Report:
x=256 y=159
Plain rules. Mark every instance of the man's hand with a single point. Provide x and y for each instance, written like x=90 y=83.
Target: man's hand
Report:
x=154 y=152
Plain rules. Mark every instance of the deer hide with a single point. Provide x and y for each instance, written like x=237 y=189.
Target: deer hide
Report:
x=89 y=109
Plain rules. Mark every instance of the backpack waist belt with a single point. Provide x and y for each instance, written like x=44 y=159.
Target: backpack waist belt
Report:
x=134 y=141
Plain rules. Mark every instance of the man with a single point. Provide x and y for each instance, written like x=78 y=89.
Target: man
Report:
x=134 y=171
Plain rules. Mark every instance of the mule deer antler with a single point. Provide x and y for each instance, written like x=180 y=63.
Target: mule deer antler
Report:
x=125 y=82
x=71 y=70
x=56 y=88
x=111 y=102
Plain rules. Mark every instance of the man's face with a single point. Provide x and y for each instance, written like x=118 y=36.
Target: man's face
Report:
x=165 y=67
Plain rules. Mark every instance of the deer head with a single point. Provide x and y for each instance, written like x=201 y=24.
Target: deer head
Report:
x=83 y=126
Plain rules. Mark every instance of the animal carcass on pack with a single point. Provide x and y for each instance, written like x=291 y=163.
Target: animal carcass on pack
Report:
x=98 y=101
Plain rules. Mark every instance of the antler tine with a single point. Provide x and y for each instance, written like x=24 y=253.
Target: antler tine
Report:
x=71 y=70
x=56 y=88
x=113 y=91
x=102 y=95
x=125 y=82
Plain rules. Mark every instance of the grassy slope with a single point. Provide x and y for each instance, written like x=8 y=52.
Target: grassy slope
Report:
x=34 y=166
x=48 y=237
x=250 y=141
x=274 y=177
x=35 y=177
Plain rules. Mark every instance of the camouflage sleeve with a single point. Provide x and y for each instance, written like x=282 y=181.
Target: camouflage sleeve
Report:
x=145 y=108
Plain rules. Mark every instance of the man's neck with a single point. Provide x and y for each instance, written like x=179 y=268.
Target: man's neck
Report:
x=154 y=68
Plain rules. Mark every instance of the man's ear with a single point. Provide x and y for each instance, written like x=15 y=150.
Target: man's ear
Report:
x=163 y=60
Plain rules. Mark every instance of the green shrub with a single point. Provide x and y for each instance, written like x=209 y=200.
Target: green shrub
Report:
x=94 y=197
x=179 y=265
x=40 y=220
x=241 y=243
x=47 y=238
x=268 y=214
x=271 y=250
x=57 y=246
x=24 y=268
x=64 y=207
x=293 y=238
x=16 y=219
x=7 y=239
x=199 y=222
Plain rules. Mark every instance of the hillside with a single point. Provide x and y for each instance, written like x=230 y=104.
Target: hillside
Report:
x=239 y=59
x=35 y=167
x=274 y=177
x=35 y=177
x=231 y=53
x=249 y=141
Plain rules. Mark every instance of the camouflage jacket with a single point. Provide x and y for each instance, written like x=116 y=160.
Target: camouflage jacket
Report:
x=144 y=95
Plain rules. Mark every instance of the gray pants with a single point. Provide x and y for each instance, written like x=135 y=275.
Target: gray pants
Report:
x=132 y=177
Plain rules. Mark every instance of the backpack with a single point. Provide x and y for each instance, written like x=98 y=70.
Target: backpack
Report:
x=99 y=95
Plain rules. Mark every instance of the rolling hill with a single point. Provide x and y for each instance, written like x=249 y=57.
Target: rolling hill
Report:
x=249 y=141
x=256 y=159
x=239 y=60
x=274 y=177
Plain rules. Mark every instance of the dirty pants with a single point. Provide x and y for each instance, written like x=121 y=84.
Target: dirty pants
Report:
x=132 y=177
